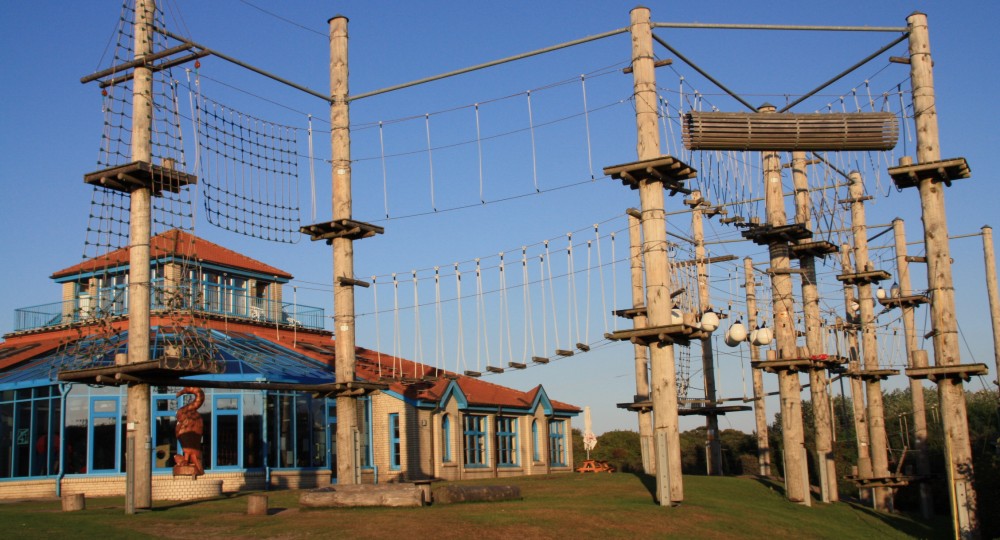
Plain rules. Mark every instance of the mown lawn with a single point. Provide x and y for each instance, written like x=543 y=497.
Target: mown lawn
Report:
x=557 y=506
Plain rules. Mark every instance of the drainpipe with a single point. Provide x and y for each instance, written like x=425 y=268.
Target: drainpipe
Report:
x=496 y=444
x=266 y=436
x=63 y=390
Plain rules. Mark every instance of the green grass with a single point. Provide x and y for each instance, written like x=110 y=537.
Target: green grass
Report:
x=558 y=506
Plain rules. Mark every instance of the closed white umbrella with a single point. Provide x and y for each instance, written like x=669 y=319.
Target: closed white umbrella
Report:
x=589 y=439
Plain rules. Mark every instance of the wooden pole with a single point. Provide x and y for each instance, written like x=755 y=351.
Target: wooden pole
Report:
x=869 y=344
x=913 y=360
x=343 y=251
x=789 y=387
x=713 y=446
x=940 y=283
x=857 y=387
x=991 y=290
x=139 y=462
x=663 y=385
x=826 y=465
x=641 y=358
x=759 y=408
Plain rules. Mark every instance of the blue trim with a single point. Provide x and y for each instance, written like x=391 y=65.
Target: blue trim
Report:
x=453 y=391
x=395 y=446
x=407 y=400
x=216 y=413
x=446 y=438
x=173 y=259
x=542 y=398
x=116 y=415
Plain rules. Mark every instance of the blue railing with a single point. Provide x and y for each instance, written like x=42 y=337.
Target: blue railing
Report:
x=206 y=300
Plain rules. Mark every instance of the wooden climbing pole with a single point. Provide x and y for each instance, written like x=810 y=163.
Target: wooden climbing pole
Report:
x=759 y=408
x=641 y=358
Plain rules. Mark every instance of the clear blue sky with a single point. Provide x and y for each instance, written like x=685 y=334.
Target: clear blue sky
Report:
x=51 y=129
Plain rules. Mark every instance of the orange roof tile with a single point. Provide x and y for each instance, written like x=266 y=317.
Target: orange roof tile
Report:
x=179 y=244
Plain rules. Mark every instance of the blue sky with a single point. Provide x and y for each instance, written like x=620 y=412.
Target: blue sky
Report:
x=533 y=171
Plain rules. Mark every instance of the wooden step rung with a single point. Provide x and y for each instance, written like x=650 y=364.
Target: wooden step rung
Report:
x=563 y=352
x=539 y=359
x=470 y=373
x=517 y=365
x=583 y=347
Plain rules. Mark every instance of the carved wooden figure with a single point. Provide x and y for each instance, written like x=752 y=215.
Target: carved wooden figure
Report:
x=189 y=430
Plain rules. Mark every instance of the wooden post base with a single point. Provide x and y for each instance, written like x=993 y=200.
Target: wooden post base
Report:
x=74 y=502
x=257 y=504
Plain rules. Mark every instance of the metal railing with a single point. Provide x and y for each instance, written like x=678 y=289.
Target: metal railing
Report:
x=216 y=301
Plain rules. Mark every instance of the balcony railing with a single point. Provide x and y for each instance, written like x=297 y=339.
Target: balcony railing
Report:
x=213 y=300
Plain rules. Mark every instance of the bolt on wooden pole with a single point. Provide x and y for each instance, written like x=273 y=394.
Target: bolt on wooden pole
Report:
x=789 y=387
x=869 y=344
x=713 y=454
x=663 y=385
x=991 y=290
x=917 y=361
x=940 y=283
x=826 y=465
x=759 y=408
x=849 y=326
x=139 y=428
x=641 y=358
x=343 y=252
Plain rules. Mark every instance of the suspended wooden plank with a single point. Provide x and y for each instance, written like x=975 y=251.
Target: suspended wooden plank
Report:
x=871 y=276
x=141 y=174
x=945 y=170
x=788 y=131
x=667 y=170
x=763 y=235
x=341 y=228
x=936 y=373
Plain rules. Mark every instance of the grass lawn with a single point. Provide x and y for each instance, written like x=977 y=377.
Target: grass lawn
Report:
x=557 y=506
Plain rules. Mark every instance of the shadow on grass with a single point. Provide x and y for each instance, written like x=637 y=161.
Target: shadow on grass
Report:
x=770 y=483
x=909 y=525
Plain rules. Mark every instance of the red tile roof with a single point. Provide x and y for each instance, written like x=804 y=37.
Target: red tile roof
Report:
x=178 y=243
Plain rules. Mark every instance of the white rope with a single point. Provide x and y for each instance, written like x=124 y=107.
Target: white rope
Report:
x=460 y=361
x=385 y=182
x=600 y=271
x=418 y=341
x=529 y=325
x=545 y=309
x=378 y=331
x=438 y=322
x=482 y=335
x=430 y=158
x=586 y=311
x=397 y=344
x=586 y=120
x=571 y=300
x=504 y=312
x=479 y=147
x=312 y=170
x=531 y=127
x=614 y=279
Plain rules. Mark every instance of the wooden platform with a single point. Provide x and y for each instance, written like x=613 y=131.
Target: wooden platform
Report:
x=764 y=234
x=872 y=374
x=819 y=248
x=913 y=300
x=141 y=174
x=717 y=410
x=671 y=333
x=959 y=371
x=637 y=406
x=152 y=370
x=668 y=170
x=631 y=313
x=340 y=228
x=871 y=276
x=944 y=170
x=785 y=364
x=885 y=481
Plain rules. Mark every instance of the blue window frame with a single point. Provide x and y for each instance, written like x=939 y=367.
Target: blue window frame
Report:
x=506 y=441
x=394 y=444
x=365 y=431
x=446 y=438
x=476 y=452
x=164 y=431
x=227 y=431
x=535 y=453
x=29 y=432
x=105 y=435
x=557 y=442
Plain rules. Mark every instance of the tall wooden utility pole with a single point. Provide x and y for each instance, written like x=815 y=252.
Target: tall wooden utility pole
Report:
x=940 y=283
x=994 y=296
x=670 y=486
x=641 y=359
x=713 y=454
x=139 y=460
x=759 y=409
x=790 y=389
x=907 y=304
x=863 y=277
x=825 y=463
x=343 y=254
x=849 y=327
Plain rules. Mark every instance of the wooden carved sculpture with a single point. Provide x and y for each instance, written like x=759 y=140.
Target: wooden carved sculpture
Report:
x=189 y=430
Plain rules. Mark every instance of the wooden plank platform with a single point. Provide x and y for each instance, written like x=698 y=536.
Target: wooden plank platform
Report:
x=959 y=371
x=563 y=352
x=470 y=373
x=141 y=174
x=539 y=359
x=160 y=368
x=872 y=374
x=886 y=481
x=671 y=333
x=340 y=228
x=517 y=365
x=944 y=170
x=819 y=248
x=668 y=170
x=785 y=364
x=631 y=313
x=717 y=410
x=749 y=131
x=871 y=276
x=494 y=369
x=638 y=406
x=913 y=300
x=764 y=234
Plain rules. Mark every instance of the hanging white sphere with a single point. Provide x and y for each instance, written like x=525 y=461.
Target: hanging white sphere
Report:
x=855 y=307
x=729 y=339
x=764 y=337
x=880 y=293
x=894 y=290
x=676 y=317
x=709 y=321
x=738 y=332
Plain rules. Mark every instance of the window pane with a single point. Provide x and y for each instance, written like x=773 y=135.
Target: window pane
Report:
x=77 y=428
x=105 y=443
x=252 y=431
x=23 y=444
x=319 y=432
x=6 y=439
x=303 y=431
x=227 y=440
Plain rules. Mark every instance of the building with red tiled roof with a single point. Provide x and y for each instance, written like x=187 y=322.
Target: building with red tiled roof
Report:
x=218 y=322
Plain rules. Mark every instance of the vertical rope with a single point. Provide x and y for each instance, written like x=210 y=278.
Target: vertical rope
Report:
x=312 y=169
x=418 y=342
x=529 y=324
x=545 y=308
x=430 y=157
x=531 y=127
x=614 y=280
x=479 y=148
x=600 y=271
x=385 y=181
x=586 y=120
x=460 y=341
x=378 y=330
